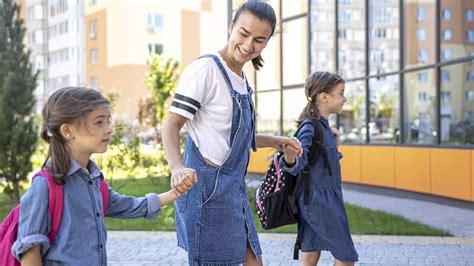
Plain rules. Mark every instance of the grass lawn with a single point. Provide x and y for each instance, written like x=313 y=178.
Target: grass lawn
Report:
x=362 y=221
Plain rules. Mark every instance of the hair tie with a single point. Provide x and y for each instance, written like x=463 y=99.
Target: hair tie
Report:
x=49 y=134
x=309 y=99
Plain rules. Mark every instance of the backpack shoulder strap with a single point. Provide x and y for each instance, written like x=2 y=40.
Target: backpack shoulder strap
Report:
x=317 y=141
x=56 y=197
x=104 y=191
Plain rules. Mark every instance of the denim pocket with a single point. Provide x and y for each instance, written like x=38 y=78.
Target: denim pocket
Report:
x=210 y=183
x=182 y=202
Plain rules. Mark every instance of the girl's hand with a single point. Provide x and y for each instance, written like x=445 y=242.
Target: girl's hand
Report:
x=282 y=142
x=290 y=154
x=336 y=134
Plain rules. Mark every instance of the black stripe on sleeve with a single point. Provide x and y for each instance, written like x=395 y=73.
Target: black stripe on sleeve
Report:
x=188 y=100
x=184 y=107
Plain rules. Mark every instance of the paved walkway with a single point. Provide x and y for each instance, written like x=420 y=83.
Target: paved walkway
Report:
x=159 y=248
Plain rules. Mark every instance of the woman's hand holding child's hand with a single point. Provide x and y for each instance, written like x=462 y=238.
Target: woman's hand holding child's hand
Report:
x=183 y=181
x=291 y=151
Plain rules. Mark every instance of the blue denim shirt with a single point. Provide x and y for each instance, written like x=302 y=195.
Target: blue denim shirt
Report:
x=82 y=235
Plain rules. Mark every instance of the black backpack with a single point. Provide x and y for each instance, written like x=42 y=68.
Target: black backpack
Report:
x=276 y=197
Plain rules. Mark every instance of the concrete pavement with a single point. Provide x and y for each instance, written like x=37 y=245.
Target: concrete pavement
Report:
x=159 y=248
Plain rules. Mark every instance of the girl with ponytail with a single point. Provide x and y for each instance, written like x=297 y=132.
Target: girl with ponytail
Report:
x=324 y=224
x=76 y=124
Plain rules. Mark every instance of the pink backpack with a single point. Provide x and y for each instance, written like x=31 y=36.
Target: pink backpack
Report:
x=9 y=226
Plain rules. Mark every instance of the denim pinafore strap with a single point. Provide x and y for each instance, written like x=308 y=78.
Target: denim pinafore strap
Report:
x=214 y=220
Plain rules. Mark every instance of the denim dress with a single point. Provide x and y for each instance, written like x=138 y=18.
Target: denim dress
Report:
x=82 y=236
x=324 y=219
x=214 y=220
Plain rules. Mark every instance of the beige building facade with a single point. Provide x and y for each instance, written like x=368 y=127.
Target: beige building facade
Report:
x=121 y=34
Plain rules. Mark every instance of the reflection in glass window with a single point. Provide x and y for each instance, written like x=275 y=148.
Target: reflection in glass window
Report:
x=421 y=34
x=445 y=75
x=470 y=36
x=293 y=8
x=384 y=123
x=268 y=112
x=446 y=14
x=469 y=15
x=352 y=42
x=294 y=101
x=384 y=43
x=419 y=46
x=423 y=55
x=446 y=54
x=322 y=35
x=295 y=54
x=457 y=101
x=420 y=14
x=353 y=116
x=447 y=35
x=460 y=40
x=420 y=109
x=268 y=77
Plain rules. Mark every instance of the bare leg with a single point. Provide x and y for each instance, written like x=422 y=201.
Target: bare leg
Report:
x=310 y=258
x=341 y=263
x=251 y=260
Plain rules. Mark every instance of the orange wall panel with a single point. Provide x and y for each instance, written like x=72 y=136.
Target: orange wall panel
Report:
x=378 y=166
x=260 y=160
x=451 y=173
x=472 y=175
x=350 y=163
x=412 y=169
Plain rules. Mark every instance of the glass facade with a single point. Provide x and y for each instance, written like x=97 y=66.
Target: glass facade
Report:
x=408 y=67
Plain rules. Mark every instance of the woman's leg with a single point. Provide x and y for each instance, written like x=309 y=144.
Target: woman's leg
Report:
x=310 y=258
x=341 y=263
x=251 y=260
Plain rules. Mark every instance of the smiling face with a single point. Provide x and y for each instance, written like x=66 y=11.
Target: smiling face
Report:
x=92 y=133
x=249 y=35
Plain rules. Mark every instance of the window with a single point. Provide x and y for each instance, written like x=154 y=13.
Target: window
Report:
x=446 y=54
x=379 y=33
x=447 y=35
x=469 y=16
x=445 y=75
x=420 y=14
x=470 y=76
x=94 y=56
x=421 y=34
x=377 y=56
x=423 y=55
x=92 y=2
x=382 y=15
x=58 y=7
x=344 y=17
x=93 y=29
x=468 y=114
x=155 y=48
x=470 y=36
x=342 y=34
x=422 y=77
x=154 y=22
x=421 y=96
x=469 y=95
x=446 y=96
x=446 y=13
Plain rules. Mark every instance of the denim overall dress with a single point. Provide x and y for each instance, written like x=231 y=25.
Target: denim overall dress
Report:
x=324 y=221
x=214 y=221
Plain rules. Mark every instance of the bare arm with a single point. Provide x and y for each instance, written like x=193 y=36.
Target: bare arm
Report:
x=32 y=257
x=171 y=139
x=277 y=142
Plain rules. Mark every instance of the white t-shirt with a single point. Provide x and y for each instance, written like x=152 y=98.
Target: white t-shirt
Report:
x=203 y=96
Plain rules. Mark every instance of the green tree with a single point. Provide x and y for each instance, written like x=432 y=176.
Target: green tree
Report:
x=18 y=131
x=161 y=80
